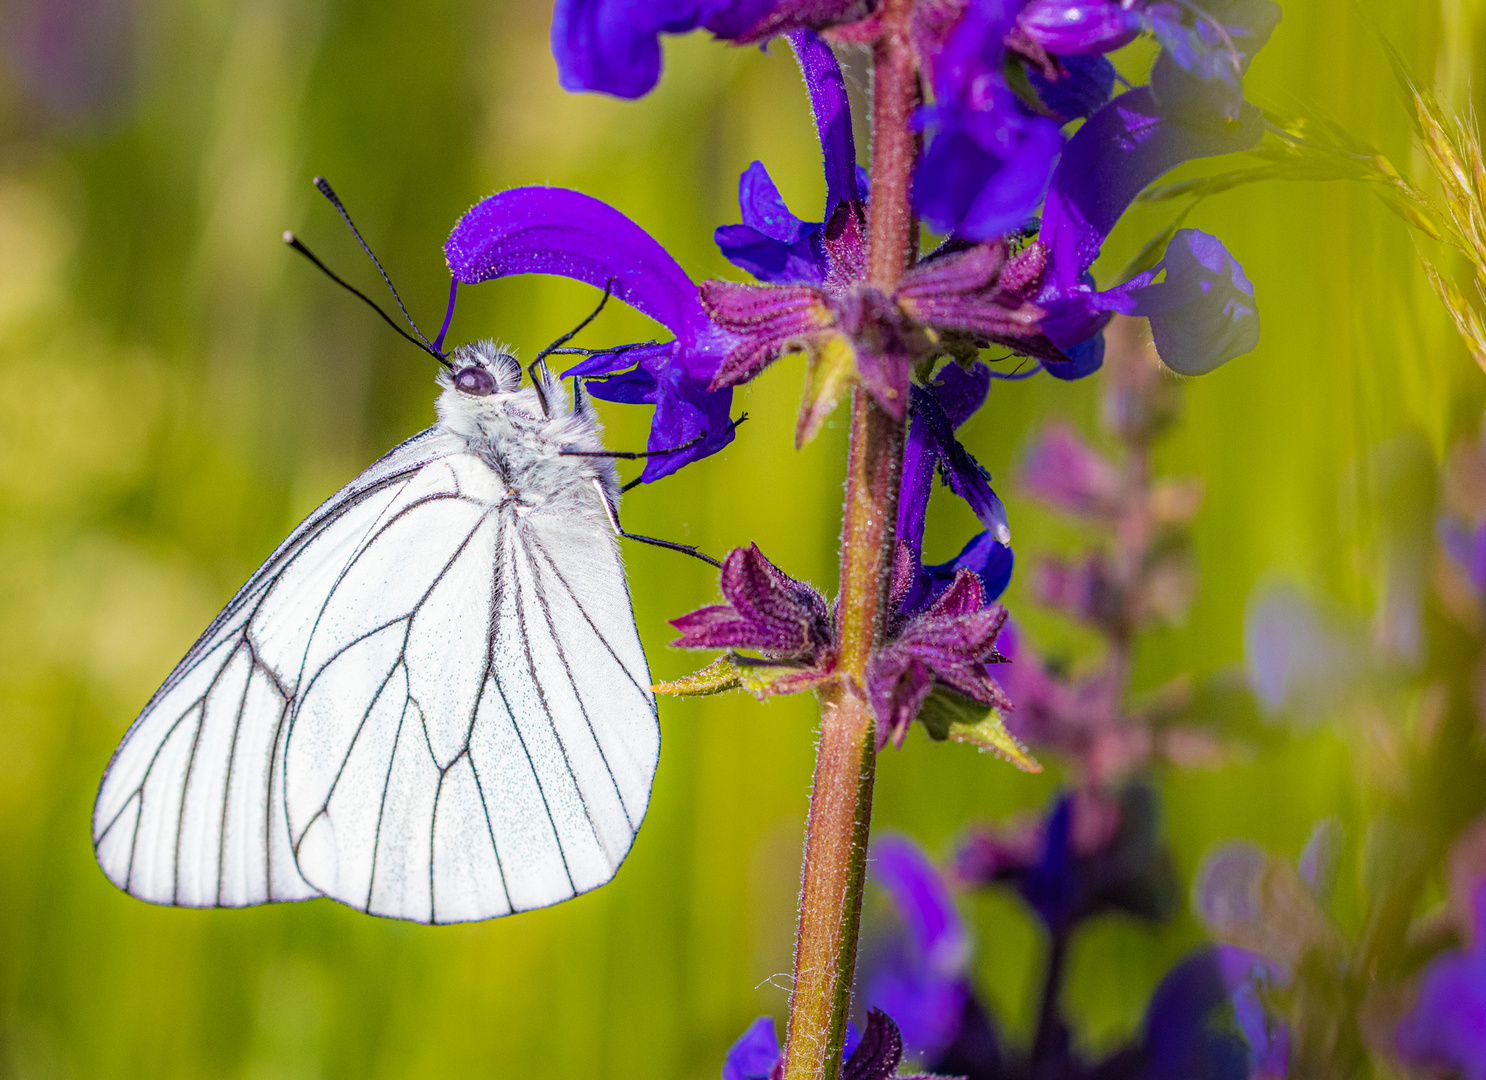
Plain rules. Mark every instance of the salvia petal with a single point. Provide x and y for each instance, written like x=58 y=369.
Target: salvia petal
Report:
x=1083 y=86
x=1203 y=314
x=755 y=1054
x=923 y=902
x=542 y=230
x=1079 y=27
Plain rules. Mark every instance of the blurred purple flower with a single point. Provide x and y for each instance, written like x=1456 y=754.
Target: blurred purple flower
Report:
x=1064 y=472
x=1181 y=1041
x=920 y=970
x=1446 y=1029
x=1296 y=660
x=540 y=230
x=74 y=59
x=918 y=976
x=1465 y=545
x=1088 y=856
x=938 y=410
x=773 y=244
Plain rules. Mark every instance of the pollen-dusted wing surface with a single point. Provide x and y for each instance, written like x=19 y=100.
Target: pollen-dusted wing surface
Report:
x=430 y=703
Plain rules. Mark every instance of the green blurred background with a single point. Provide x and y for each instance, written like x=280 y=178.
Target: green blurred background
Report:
x=177 y=390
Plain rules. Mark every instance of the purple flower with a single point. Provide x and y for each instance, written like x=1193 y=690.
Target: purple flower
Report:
x=1446 y=1029
x=988 y=160
x=1073 y=86
x=613 y=46
x=766 y=609
x=756 y=1054
x=1465 y=545
x=1202 y=314
x=938 y=410
x=950 y=644
x=773 y=244
x=1206 y=49
x=1088 y=856
x=1209 y=44
x=1181 y=1040
x=918 y=976
x=1062 y=471
x=1079 y=27
x=539 y=230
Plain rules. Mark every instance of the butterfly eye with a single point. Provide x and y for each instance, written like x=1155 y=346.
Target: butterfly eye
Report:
x=475 y=381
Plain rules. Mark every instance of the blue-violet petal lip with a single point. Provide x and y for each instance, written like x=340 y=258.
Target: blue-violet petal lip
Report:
x=549 y=230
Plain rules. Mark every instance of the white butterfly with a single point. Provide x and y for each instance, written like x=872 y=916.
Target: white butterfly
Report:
x=430 y=702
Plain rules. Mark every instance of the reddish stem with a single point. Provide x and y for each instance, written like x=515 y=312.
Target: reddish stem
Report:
x=841 y=799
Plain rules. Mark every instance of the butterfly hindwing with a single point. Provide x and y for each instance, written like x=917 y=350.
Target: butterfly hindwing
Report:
x=485 y=745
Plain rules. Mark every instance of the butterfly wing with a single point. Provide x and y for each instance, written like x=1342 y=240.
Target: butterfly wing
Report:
x=492 y=750
x=429 y=704
x=191 y=809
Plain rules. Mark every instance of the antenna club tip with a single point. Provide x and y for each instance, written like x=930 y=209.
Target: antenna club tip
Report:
x=318 y=181
x=288 y=236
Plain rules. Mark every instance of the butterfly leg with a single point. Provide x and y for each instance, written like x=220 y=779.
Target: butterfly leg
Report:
x=613 y=515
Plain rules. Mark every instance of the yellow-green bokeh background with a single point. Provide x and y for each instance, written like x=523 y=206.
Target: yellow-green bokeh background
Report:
x=177 y=390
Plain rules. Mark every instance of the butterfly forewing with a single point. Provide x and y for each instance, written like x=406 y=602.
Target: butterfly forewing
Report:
x=409 y=708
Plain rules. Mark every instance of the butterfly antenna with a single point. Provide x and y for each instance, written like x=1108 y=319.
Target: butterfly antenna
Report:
x=294 y=242
x=325 y=189
x=575 y=331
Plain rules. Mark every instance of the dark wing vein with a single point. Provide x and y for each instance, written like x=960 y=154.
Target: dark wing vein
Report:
x=541 y=550
x=536 y=681
x=494 y=625
x=577 y=695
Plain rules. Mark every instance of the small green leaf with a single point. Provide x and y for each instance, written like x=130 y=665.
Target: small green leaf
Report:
x=719 y=676
x=831 y=368
x=948 y=715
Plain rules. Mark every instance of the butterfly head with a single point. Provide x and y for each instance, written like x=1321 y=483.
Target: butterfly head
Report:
x=482 y=368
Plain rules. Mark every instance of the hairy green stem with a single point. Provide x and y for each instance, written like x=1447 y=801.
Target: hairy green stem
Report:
x=841 y=798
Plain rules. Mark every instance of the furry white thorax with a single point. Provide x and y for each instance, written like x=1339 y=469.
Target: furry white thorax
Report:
x=508 y=430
